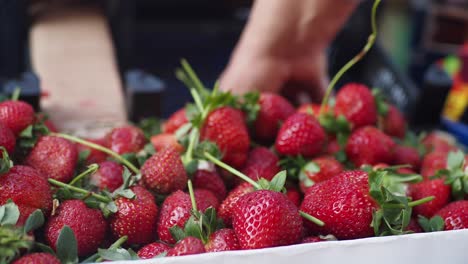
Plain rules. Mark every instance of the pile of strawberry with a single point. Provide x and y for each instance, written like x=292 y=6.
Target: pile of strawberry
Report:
x=224 y=173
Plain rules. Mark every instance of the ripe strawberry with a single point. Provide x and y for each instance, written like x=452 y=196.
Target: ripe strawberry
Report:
x=439 y=142
x=394 y=123
x=7 y=139
x=175 y=121
x=187 y=246
x=407 y=155
x=176 y=210
x=54 y=157
x=152 y=250
x=165 y=140
x=28 y=189
x=126 y=139
x=108 y=176
x=222 y=240
x=274 y=109
x=227 y=206
x=164 y=172
x=225 y=126
x=318 y=170
x=414 y=226
x=300 y=134
x=261 y=163
x=266 y=219
x=294 y=195
x=135 y=218
x=87 y=224
x=38 y=258
x=210 y=180
x=95 y=156
x=17 y=115
x=356 y=102
x=435 y=188
x=332 y=147
x=455 y=215
x=312 y=239
x=368 y=145
x=433 y=162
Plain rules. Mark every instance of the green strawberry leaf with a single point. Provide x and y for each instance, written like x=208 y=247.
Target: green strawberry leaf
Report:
x=455 y=160
x=382 y=105
x=34 y=221
x=207 y=147
x=177 y=233
x=117 y=254
x=434 y=224
x=191 y=167
x=193 y=228
x=249 y=104
x=150 y=127
x=5 y=162
x=278 y=181
x=29 y=136
x=9 y=213
x=293 y=166
x=67 y=247
x=44 y=248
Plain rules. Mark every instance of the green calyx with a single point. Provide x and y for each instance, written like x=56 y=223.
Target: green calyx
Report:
x=5 y=162
x=150 y=127
x=436 y=223
x=294 y=166
x=29 y=136
x=380 y=103
x=339 y=126
x=309 y=168
x=456 y=175
x=114 y=253
x=67 y=246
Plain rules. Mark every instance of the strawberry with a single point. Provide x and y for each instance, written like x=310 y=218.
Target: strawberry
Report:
x=261 y=163
x=318 y=170
x=126 y=139
x=54 y=157
x=187 y=246
x=394 y=123
x=414 y=226
x=7 y=138
x=153 y=250
x=368 y=145
x=356 y=102
x=135 y=218
x=433 y=162
x=455 y=215
x=95 y=156
x=17 y=115
x=439 y=142
x=266 y=218
x=300 y=134
x=294 y=195
x=436 y=188
x=210 y=180
x=87 y=224
x=227 y=206
x=28 y=189
x=175 y=121
x=332 y=147
x=38 y=258
x=108 y=176
x=274 y=109
x=225 y=126
x=165 y=140
x=176 y=210
x=164 y=172
x=222 y=240
x=407 y=155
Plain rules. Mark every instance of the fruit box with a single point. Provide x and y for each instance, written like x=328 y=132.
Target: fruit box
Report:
x=438 y=247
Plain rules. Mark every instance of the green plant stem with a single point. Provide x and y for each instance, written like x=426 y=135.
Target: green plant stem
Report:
x=100 y=148
x=197 y=99
x=192 y=195
x=232 y=170
x=410 y=204
x=196 y=81
x=79 y=190
x=193 y=138
x=353 y=61
x=115 y=245
x=16 y=94
x=311 y=218
x=91 y=169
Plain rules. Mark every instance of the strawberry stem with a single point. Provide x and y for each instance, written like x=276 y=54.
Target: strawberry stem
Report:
x=192 y=195
x=16 y=94
x=311 y=218
x=232 y=170
x=188 y=157
x=118 y=243
x=353 y=61
x=410 y=204
x=191 y=73
x=100 y=148
x=91 y=169
x=79 y=190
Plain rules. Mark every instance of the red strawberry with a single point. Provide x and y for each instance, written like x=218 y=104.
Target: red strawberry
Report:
x=327 y=166
x=356 y=102
x=38 y=258
x=87 y=224
x=7 y=139
x=294 y=195
x=332 y=147
x=300 y=134
x=187 y=246
x=222 y=240
x=266 y=219
x=313 y=109
x=414 y=226
x=274 y=109
x=394 y=123
x=165 y=140
x=108 y=176
x=54 y=157
x=407 y=155
x=433 y=162
x=439 y=142
x=42 y=118
x=210 y=180
x=261 y=163
x=152 y=250
x=176 y=210
x=95 y=156
x=136 y=218
x=175 y=121
x=225 y=126
x=17 y=115
x=126 y=139
x=312 y=239
x=455 y=215
x=368 y=145
x=227 y=206
x=435 y=188
x=164 y=172
x=28 y=189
